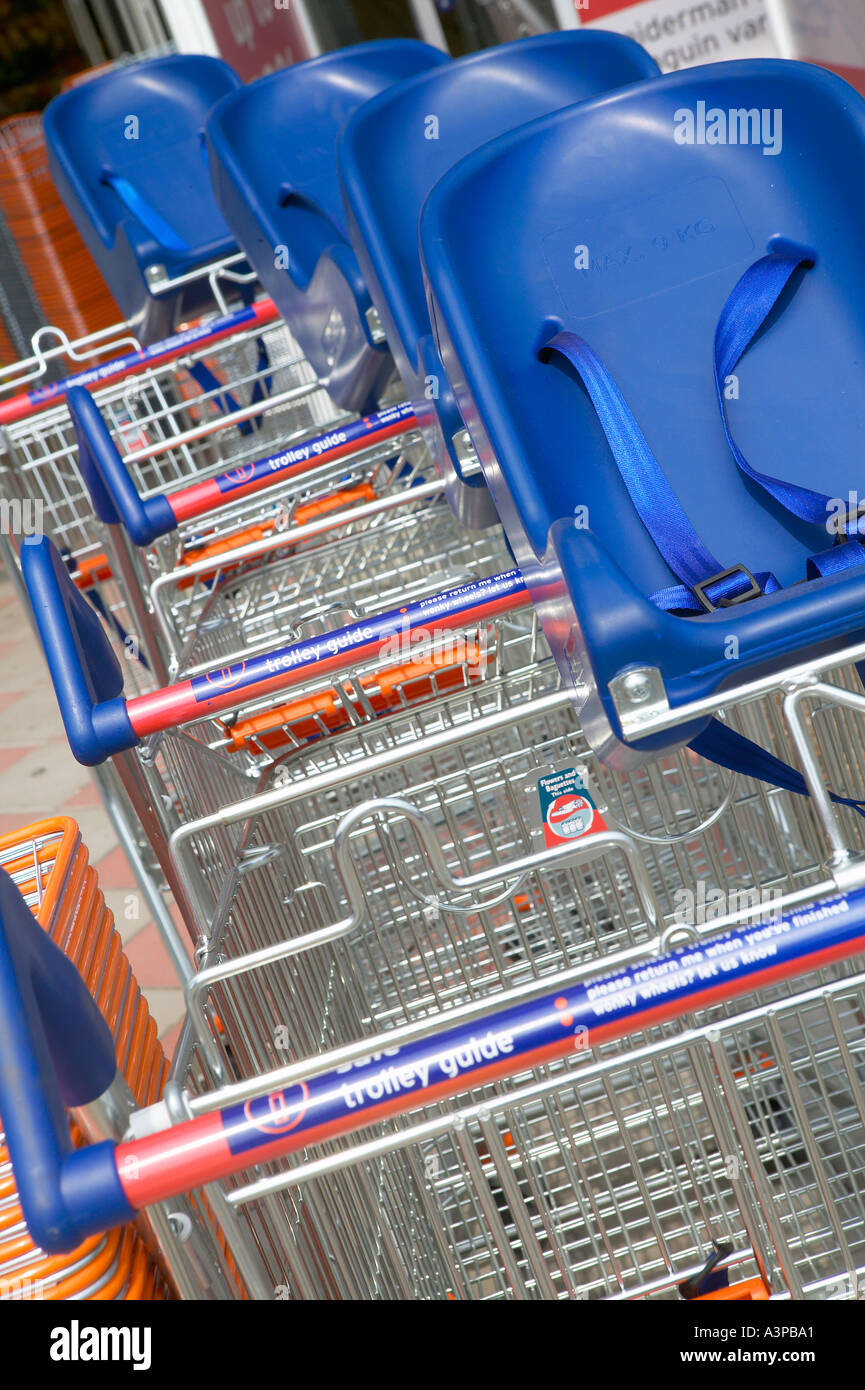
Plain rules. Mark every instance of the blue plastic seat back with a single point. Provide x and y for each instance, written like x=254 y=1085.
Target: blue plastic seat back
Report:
x=273 y=165
x=603 y=220
x=126 y=154
x=395 y=148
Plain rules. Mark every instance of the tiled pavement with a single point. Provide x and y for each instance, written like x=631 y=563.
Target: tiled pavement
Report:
x=40 y=778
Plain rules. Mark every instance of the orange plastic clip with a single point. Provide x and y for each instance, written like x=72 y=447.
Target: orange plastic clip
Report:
x=93 y=569
x=333 y=502
x=746 y=1291
x=305 y=717
x=193 y=555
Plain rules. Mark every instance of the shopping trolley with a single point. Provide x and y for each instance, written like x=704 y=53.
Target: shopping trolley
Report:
x=449 y=789
x=245 y=613
x=165 y=405
x=557 y=1140
x=48 y=865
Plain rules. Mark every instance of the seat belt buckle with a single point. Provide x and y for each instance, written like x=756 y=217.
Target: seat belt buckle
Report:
x=841 y=525
x=753 y=590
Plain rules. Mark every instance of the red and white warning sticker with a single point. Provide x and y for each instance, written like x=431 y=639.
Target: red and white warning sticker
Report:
x=568 y=812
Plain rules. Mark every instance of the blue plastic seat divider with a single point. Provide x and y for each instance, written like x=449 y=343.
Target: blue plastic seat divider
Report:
x=396 y=147
x=626 y=222
x=126 y=154
x=271 y=149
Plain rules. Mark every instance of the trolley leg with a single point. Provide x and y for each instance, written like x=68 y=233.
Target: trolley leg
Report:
x=135 y=589
x=786 y=1263
x=142 y=806
x=184 y=1243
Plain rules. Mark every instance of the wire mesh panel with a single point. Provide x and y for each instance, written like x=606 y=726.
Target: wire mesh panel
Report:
x=707 y=846
x=616 y=1173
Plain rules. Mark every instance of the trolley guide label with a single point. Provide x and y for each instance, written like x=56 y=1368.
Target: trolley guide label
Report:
x=356 y=431
x=360 y=638
x=29 y=402
x=575 y=1018
x=251 y=477
x=568 y=812
x=278 y=669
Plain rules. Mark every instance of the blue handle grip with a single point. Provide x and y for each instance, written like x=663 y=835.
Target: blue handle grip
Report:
x=56 y=1050
x=113 y=493
x=87 y=677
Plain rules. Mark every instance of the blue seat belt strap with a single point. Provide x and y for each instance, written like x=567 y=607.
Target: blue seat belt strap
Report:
x=751 y=301
x=144 y=212
x=720 y=744
x=222 y=398
x=748 y=306
x=683 y=550
x=656 y=503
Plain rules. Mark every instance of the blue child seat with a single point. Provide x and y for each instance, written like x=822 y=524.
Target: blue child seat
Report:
x=395 y=148
x=126 y=155
x=621 y=226
x=273 y=164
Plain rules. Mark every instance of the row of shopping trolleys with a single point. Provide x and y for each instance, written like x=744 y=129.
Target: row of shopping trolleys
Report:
x=434 y=1047
x=469 y=1013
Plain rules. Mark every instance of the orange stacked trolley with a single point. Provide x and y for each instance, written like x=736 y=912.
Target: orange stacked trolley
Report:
x=50 y=866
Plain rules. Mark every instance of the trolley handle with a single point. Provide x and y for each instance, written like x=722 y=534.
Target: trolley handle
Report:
x=114 y=496
x=116 y=499
x=499 y=1037
x=56 y=1050
x=200 y=335
x=88 y=678
x=342 y=1094
x=85 y=673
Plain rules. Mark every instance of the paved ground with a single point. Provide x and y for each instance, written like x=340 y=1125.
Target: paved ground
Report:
x=40 y=778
